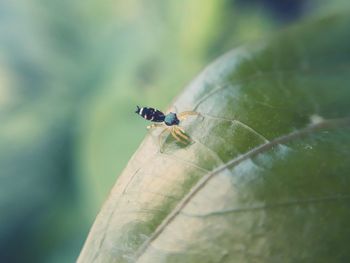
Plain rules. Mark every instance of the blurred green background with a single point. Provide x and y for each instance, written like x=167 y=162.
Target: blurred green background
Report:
x=71 y=74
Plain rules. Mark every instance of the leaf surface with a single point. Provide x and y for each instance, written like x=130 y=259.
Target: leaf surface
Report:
x=266 y=178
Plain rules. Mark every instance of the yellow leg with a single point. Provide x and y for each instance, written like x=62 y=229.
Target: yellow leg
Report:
x=160 y=138
x=180 y=132
x=155 y=125
x=173 y=133
x=183 y=115
x=180 y=129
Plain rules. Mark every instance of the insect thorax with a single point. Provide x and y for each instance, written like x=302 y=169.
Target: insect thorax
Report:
x=171 y=119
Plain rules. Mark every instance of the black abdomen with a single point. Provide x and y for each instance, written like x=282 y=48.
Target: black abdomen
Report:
x=150 y=114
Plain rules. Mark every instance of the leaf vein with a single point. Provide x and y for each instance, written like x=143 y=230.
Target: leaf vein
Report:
x=272 y=205
x=325 y=124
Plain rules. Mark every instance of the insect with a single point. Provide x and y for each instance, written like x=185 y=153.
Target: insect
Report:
x=169 y=121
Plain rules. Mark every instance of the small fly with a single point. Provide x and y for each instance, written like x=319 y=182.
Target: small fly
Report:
x=170 y=121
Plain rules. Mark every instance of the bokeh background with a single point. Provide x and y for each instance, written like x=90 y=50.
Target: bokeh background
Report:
x=71 y=74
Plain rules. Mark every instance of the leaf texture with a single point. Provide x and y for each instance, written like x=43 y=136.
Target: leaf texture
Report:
x=266 y=178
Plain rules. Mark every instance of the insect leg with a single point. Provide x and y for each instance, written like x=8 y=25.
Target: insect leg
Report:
x=180 y=132
x=183 y=115
x=155 y=125
x=160 y=138
x=175 y=135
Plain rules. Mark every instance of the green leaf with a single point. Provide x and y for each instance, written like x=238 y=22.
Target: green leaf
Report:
x=267 y=176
